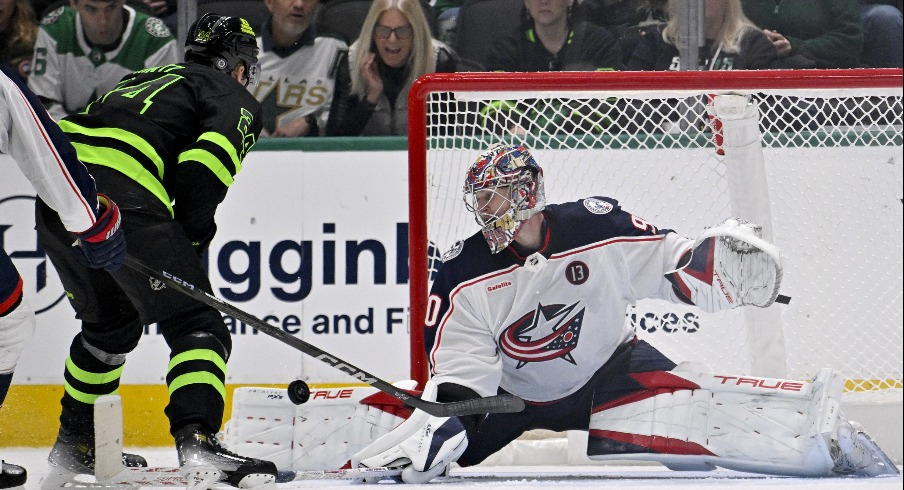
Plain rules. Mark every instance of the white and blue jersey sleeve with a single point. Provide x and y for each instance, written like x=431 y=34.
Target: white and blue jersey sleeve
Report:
x=45 y=155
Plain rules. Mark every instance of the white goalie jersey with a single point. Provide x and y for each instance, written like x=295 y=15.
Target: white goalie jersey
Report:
x=540 y=326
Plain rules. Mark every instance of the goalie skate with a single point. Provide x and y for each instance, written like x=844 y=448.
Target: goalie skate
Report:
x=855 y=453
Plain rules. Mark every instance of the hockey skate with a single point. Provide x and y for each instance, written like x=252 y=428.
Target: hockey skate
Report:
x=72 y=455
x=203 y=461
x=11 y=475
x=856 y=454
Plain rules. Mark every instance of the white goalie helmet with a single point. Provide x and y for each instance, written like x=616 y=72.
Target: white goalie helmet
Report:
x=503 y=188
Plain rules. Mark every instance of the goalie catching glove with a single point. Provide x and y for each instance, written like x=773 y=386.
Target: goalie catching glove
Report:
x=423 y=445
x=729 y=265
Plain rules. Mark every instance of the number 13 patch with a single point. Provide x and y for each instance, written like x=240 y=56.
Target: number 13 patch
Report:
x=577 y=273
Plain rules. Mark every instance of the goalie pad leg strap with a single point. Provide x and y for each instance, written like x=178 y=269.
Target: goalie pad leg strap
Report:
x=690 y=421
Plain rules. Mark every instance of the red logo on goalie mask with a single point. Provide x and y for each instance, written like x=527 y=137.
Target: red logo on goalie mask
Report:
x=548 y=332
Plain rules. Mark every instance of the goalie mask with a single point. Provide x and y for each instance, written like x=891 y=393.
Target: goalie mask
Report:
x=223 y=42
x=504 y=188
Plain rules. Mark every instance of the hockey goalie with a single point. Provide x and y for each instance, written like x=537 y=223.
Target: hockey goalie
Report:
x=534 y=305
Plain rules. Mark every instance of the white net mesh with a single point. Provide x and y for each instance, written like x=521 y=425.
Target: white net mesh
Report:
x=834 y=171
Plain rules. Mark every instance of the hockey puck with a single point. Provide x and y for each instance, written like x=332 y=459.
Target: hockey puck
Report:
x=299 y=392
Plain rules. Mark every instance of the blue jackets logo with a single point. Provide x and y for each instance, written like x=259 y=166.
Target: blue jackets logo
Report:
x=549 y=332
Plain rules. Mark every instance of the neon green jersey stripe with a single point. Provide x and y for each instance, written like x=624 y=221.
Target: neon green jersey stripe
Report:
x=127 y=137
x=124 y=163
x=92 y=378
x=209 y=161
x=197 y=355
x=198 y=378
x=82 y=396
x=224 y=143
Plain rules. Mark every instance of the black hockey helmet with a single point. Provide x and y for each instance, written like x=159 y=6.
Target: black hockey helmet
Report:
x=223 y=42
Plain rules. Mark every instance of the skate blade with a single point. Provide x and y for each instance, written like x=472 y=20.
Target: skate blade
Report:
x=200 y=477
x=261 y=481
x=59 y=477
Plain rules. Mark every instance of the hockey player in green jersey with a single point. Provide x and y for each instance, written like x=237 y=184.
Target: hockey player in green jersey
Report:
x=84 y=49
x=166 y=144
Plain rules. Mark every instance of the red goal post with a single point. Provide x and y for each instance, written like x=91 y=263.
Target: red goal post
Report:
x=832 y=142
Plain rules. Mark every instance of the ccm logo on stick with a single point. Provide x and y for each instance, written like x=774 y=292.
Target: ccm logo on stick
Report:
x=769 y=384
x=350 y=370
x=177 y=280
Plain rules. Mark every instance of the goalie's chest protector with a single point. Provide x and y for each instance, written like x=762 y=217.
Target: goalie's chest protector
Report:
x=556 y=316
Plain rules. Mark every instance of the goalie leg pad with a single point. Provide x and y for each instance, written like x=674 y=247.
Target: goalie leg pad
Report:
x=16 y=327
x=321 y=434
x=693 y=421
x=729 y=266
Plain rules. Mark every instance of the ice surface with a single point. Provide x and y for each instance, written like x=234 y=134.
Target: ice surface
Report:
x=518 y=477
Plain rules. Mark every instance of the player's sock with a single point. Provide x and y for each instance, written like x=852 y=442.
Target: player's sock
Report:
x=202 y=458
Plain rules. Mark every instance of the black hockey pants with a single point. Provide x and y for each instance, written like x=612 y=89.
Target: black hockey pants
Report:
x=114 y=307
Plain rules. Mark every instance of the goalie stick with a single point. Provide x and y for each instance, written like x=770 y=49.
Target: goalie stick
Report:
x=476 y=406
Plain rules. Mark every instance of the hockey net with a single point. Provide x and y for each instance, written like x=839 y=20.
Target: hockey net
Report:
x=832 y=150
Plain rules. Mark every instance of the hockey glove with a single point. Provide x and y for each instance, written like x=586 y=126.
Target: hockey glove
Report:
x=104 y=244
x=729 y=266
x=423 y=446
x=201 y=243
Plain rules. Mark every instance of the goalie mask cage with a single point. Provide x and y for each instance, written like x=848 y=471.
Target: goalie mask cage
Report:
x=831 y=186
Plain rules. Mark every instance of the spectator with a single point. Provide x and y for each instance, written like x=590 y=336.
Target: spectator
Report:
x=732 y=43
x=300 y=70
x=18 y=31
x=626 y=17
x=165 y=10
x=84 y=49
x=829 y=32
x=883 y=25
x=394 y=49
x=42 y=7
x=551 y=39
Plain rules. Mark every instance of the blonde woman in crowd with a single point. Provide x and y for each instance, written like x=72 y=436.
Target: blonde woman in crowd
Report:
x=732 y=43
x=394 y=48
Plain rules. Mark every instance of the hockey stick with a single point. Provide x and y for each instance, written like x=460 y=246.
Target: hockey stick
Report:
x=476 y=406
x=171 y=477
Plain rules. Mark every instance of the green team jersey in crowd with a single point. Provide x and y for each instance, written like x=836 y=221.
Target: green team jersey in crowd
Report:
x=181 y=131
x=299 y=80
x=68 y=73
